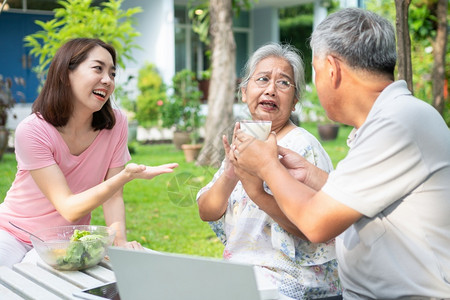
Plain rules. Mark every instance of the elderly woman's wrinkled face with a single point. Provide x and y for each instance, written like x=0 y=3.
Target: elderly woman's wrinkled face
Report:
x=270 y=93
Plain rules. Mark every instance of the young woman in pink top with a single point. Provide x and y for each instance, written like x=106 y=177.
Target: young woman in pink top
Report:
x=71 y=152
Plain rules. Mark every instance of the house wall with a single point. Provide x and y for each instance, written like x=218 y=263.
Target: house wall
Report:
x=157 y=42
x=265 y=26
x=320 y=13
x=16 y=61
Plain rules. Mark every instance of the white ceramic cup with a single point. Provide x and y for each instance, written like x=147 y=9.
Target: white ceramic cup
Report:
x=256 y=128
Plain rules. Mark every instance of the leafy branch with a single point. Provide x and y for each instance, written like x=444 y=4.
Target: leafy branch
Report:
x=78 y=18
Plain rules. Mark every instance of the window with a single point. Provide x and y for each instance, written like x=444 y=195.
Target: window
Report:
x=242 y=50
x=241 y=29
x=190 y=52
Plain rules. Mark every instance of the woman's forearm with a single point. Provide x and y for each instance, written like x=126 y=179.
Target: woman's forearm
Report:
x=291 y=196
x=114 y=213
x=268 y=204
x=83 y=203
x=213 y=203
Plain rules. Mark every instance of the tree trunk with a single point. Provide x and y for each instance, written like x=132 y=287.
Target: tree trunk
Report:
x=403 y=42
x=439 y=49
x=222 y=87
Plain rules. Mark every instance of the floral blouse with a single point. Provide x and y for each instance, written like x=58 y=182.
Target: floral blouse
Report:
x=300 y=269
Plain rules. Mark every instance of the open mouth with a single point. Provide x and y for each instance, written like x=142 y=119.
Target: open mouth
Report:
x=99 y=93
x=268 y=104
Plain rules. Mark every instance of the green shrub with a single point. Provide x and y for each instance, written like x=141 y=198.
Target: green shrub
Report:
x=182 y=108
x=151 y=97
x=295 y=31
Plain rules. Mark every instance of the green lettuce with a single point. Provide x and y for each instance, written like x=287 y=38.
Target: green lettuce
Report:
x=84 y=249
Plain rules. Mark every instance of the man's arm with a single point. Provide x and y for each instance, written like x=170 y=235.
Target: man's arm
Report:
x=318 y=216
x=266 y=202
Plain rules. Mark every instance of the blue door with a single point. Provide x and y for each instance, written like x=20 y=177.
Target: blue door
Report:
x=15 y=61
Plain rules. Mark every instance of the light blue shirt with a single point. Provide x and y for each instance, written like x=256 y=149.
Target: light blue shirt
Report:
x=397 y=174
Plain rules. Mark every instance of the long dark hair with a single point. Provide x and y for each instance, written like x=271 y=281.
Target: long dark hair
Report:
x=54 y=101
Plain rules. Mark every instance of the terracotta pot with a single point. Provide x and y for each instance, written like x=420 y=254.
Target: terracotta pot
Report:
x=328 y=132
x=180 y=138
x=203 y=85
x=191 y=151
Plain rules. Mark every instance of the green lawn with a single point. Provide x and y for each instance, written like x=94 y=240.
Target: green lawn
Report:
x=162 y=213
x=336 y=149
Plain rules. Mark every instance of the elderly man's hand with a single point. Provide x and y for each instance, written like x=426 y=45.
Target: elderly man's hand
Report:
x=253 y=155
x=295 y=163
x=301 y=169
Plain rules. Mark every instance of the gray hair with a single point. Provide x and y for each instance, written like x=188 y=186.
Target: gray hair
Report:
x=363 y=39
x=286 y=52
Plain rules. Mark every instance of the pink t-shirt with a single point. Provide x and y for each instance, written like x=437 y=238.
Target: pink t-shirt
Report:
x=38 y=144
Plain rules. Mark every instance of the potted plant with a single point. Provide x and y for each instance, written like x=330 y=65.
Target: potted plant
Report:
x=327 y=129
x=181 y=110
x=7 y=102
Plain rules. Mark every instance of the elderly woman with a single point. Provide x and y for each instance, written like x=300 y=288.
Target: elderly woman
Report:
x=241 y=209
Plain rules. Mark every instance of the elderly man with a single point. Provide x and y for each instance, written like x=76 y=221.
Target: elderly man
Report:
x=388 y=201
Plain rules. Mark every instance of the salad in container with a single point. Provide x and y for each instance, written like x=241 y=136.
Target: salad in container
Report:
x=74 y=247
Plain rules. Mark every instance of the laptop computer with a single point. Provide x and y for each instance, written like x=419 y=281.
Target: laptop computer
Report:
x=156 y=275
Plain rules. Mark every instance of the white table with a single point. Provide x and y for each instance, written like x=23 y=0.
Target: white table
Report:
x=37 y=280
x=34 y=279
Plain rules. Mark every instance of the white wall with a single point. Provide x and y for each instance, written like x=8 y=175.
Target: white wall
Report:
x=156 y=25
x=265 y=26
x=21 y=111
x=348 y=3
x=320 y=13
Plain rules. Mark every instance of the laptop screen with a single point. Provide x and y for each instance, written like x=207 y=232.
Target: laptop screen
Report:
x=156 y=275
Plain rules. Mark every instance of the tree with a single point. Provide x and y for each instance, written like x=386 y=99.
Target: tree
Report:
x=78 y=18
x=403 y=42
x=439 y=51
x=223 y=82
x=427 y=20
x=215 y=28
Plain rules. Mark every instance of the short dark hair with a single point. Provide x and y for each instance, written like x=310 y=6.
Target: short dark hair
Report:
x=54 y=101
